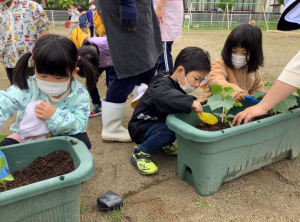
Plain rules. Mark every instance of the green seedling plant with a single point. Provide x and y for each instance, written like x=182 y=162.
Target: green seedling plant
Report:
x=221 y=99
x=283 y=106
x=9 y=177
x=201 y=201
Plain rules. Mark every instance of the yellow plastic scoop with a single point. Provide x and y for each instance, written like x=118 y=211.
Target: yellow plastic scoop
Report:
x=208 y=118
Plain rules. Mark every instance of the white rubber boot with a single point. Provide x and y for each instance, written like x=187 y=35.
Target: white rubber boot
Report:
x=112 y=116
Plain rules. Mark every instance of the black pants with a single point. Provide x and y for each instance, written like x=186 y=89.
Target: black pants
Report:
x=80 y=136
x=94 y=91
x=92 y=31
x=10 y=72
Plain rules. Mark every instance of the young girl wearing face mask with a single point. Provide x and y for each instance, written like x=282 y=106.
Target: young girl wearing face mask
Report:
x=239 y=65
x=166 y=94
x=63 y=103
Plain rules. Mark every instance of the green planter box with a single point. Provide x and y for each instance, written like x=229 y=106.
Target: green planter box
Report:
x=208 y=159
x=55 y=199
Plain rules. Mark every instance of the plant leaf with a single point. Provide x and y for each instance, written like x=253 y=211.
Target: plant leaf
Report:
x=285 y=104
x=215 y=89
x=9 y=177
x=298 y=92
x=258 y=94
x=227 y=88
x=229 y=92
x=230 y=116
x=237 y=104
x=217 y=114
x=230 y=124
x=2 y=162
x=2 y=137
x=216 y=101
x=267 y=83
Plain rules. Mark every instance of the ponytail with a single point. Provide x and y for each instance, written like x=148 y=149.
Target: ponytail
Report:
x=88 y=66
x=22 y=71
x=87 y=70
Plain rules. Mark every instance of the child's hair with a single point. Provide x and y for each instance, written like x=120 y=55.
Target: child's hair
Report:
x=80 y=9
x=248 y=37
x=92 y=3
x=80 y=5
x=193 y=59
x=75 y=5
x=91 y=55
x=58 y=56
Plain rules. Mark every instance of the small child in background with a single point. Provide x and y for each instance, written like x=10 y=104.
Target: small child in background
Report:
x=97 y=46
x=22 y=23
x=100 y=46
x=166 y=94
x=65 y=107
x=83 y=21
x=90 y=16
x=80 y=5
x=238 y=67
x=74 y=17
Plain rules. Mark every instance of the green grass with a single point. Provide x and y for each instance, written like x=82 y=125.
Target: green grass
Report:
x=116 y=215
x=82 y=205
x=201 y=202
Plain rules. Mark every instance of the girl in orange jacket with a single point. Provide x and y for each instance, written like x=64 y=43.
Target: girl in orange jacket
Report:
x=238 y=67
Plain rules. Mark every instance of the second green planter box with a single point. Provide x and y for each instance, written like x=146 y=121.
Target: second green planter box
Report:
x=208 y=159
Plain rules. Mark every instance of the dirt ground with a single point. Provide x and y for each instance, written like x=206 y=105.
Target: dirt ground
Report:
x=269 y=194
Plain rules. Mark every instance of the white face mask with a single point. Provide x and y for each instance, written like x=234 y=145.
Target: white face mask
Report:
x=238 y=61
x=52 y=88
x=93 y=7
x=187 y=88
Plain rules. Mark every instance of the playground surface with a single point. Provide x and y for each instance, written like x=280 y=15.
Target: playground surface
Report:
x=269 y=194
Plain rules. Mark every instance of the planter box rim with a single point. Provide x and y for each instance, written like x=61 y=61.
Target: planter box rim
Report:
x=189 y=132
x=82 y=173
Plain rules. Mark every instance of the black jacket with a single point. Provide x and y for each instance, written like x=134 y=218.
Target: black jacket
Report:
x=164 y=96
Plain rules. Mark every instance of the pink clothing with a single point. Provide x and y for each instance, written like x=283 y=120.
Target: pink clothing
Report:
x=171 y=27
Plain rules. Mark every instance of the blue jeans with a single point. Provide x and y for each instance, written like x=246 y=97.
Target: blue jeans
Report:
x=157 y=136
x=165 y=60
x=119 y=89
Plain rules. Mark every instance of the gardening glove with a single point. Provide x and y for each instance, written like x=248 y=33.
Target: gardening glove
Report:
x=128 y=14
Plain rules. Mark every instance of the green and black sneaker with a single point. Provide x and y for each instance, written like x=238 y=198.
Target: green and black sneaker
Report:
x=171 y=150
x=143 y=163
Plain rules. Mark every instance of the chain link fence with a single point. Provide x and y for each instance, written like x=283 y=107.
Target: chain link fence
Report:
x=57 y=16
x=210 y=20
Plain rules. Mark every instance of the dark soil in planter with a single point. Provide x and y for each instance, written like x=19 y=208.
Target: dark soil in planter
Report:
x=216 y=127
x=55 y=164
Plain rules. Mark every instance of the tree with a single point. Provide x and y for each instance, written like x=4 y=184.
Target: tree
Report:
x=280 y=2
x=65 y=3
x=223 y=6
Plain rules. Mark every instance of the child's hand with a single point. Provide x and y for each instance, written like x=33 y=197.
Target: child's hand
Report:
x=159 y=14
x=239 y=97
x=196 y=107
x=44 y=111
